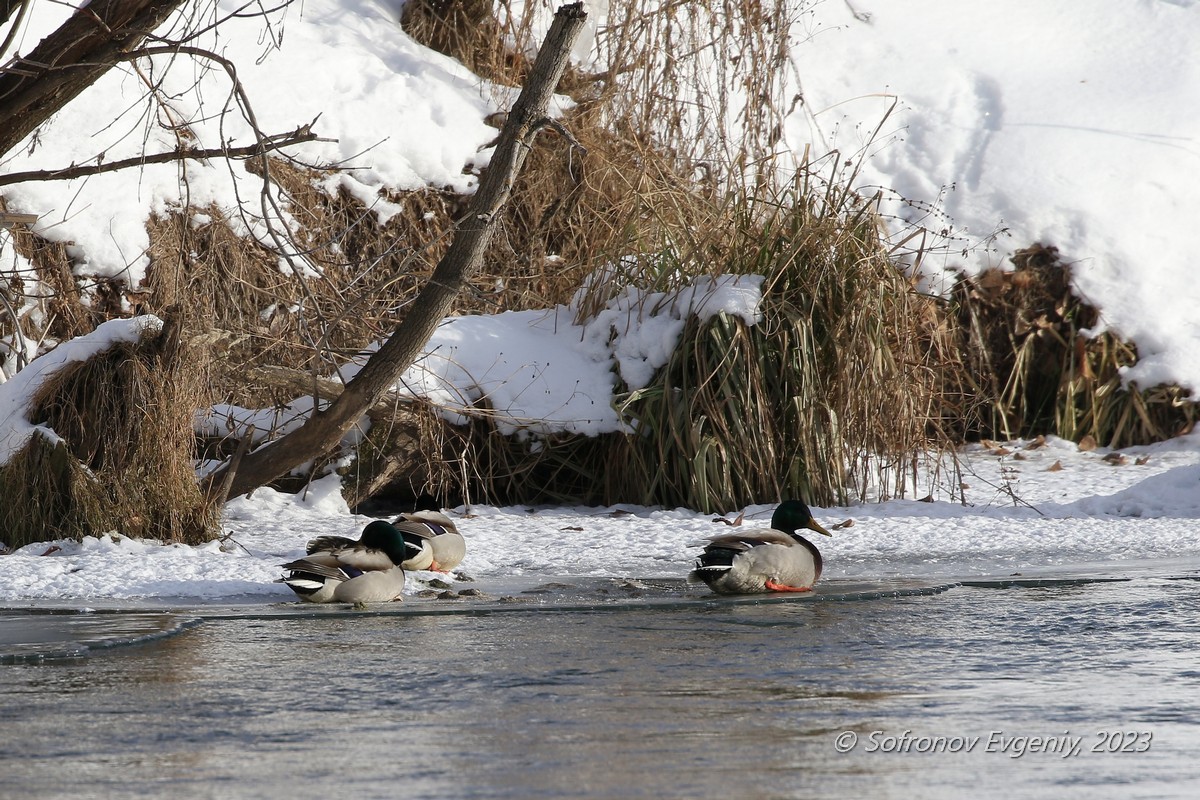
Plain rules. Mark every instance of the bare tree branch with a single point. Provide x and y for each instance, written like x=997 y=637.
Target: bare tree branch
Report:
x=7 y=7
x=302 y=134
x=324 y=429
x=89 y=44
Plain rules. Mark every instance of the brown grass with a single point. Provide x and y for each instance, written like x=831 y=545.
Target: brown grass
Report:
x=849 y=376
x=830 y=397
x=1023 y=332
x=124 y=460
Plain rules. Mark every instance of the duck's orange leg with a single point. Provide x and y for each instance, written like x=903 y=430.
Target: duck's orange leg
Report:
x=780 y=587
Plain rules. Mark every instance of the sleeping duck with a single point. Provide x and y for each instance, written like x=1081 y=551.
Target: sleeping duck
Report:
x=415 y=534
x=426 y=520
x=775 y=559
x=342 y=570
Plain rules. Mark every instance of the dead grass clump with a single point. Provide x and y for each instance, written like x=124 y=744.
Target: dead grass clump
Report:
x=229 y=291
x=574 y=214
x=1023 y=334
x=558 y=469
x=465 y=30
x=63 y=315
x=340 y=285
x=830 y=395
x=665 y=123
x=124 y=458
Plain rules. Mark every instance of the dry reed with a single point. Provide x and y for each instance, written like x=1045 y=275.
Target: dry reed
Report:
x=123 y=461
x=1023 y=332
x=850 y=374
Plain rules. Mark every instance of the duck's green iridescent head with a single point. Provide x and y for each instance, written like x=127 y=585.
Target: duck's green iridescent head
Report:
x=792 y=515
x=384 y=536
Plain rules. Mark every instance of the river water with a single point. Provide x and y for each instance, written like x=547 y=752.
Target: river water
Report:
x=613 y=689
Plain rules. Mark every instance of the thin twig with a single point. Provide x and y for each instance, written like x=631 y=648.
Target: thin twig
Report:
x=298 y=136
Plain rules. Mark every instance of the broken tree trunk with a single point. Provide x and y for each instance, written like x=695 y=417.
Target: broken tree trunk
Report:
x=325 y=429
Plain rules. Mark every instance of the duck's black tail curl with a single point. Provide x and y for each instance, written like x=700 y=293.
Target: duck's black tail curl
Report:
x=712 y=564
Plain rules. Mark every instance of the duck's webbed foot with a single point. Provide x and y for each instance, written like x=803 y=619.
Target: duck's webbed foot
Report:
x=782 y=587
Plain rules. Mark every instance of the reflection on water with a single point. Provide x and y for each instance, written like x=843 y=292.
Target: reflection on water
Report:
x=686 y=700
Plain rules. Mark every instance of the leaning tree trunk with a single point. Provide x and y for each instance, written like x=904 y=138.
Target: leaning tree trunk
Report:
x=325 y=429
x=98 y=36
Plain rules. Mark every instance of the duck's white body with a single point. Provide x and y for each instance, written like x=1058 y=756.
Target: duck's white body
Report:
x=760 y=561
x=341 y=570
x=775 y=559
x=447 y=546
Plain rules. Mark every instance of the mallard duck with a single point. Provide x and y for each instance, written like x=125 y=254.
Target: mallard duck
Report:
x=341 y=570
x=416 y=535
x=427 y=520
x=775 y=559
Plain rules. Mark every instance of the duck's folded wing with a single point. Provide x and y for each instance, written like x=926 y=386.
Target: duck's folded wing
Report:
x=357 y=557
x=364 y=558
x=415 y=528
x=319 y=567
x=328 y=543
x=435 y=518
x=750 y=539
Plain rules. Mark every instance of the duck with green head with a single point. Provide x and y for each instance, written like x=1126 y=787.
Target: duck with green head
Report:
x=778 y=559
x=341 y=570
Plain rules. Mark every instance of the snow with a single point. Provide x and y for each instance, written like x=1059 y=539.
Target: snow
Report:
x=1019 y=516
x=402 y=116
x=16 y=394
x=1069 y=123
x=1065 y=123
x=539 y=372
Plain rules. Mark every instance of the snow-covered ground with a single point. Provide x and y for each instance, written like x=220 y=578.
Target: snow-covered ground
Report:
x=1023 y=514
x=1071 y=123
x=1065 y=123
